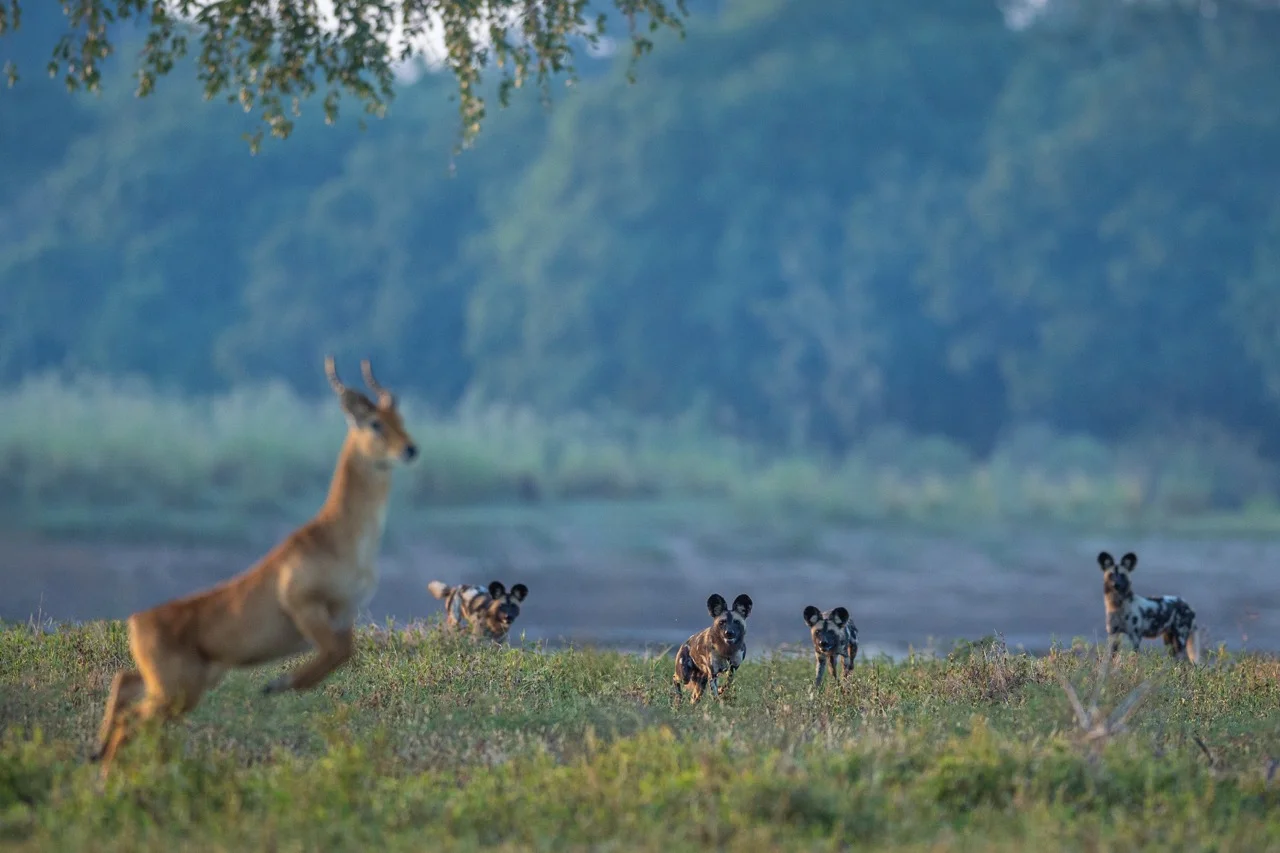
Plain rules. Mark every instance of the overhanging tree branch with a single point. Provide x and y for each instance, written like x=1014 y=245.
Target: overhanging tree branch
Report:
x=269 y=55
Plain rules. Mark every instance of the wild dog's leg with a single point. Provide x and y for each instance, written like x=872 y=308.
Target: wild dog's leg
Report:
x=1117 y=639
x=851 y=652
x=1181 y=639
x=820 y=664
x=126 y=688
x=728 y=679
x=333 y=649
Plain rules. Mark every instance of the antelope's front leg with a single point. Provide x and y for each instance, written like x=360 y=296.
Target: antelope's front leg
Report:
x=332 y=650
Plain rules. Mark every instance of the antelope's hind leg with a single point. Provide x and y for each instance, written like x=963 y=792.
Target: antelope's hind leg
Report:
x=126 y=689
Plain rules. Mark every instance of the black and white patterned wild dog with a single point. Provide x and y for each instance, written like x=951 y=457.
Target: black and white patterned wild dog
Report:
x=834 y=636
x=1133 y=616
x=711 y=651
x=487 y=612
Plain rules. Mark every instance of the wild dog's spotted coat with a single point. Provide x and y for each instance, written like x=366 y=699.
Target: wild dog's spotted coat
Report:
x=1133 y=616
x=711 y=651
x=488 y=612
x=834 y=636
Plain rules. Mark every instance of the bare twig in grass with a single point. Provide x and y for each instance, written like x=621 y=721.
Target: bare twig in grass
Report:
x=1095 y=725
x=1208 y=753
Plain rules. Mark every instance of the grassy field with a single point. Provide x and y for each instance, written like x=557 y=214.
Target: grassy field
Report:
x=429 y=742
x=107 y=456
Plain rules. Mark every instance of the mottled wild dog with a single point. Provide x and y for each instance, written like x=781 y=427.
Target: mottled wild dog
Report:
x=712 y=650
x=834 y=636
x=1133 y=616
x=304 y=593
x=488 y=612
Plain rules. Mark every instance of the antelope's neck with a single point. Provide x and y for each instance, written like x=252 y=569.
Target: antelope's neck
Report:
x=357 y=502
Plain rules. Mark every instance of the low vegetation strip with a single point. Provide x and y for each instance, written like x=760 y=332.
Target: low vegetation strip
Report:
x=435 y=742
x=99 y=454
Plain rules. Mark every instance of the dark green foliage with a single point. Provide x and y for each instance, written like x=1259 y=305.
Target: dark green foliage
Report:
x=271 y=56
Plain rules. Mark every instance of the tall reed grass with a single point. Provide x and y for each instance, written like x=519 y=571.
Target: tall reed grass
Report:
x=88 y=446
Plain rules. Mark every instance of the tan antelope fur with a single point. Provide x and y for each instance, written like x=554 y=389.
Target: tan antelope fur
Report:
x=304 y=594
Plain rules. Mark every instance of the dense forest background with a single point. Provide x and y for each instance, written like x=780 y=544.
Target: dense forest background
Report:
x=807 y=220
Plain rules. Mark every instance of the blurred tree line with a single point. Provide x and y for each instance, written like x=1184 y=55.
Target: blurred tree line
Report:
x=805 y=220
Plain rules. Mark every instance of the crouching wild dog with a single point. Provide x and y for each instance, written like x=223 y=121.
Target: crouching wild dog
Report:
x=708 y=653
x=1133 y=616
x=834 y=636
x=488 y=612
x=304 y=593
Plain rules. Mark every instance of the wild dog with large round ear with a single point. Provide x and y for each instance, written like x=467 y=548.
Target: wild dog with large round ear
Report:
x=834 y=636
x=711 y=651
x=304 y=594
x=1135 y=617
x=488 y=612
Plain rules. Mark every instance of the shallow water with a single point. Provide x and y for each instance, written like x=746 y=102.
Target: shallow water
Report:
x=606 y=578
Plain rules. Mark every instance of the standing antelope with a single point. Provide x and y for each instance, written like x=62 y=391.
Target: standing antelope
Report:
x=305 y=593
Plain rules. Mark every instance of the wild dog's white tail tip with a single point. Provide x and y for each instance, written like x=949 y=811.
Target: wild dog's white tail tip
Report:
x=1193 y=646
x=438 y=588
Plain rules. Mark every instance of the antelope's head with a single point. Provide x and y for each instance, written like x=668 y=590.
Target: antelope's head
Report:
x=375 y=428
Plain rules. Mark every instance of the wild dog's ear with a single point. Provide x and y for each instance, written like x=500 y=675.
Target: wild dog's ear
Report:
x=497 y=590
x=742 y=605
x=1129 y=561
x=840 y=616
x=519 y=591
x=716 y=605
x=1105 y=561
x=812 y=615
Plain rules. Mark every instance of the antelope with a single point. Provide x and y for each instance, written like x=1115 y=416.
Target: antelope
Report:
x=305 y=593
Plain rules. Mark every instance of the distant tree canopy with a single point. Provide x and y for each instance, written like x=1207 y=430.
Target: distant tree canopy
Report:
x=269 y=55
x=807 y=220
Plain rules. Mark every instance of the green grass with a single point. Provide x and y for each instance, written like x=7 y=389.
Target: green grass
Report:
x=102 y=456
x=430 y=742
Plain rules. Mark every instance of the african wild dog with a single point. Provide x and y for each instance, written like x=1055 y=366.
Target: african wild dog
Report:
x=834 y=636
x=1135 y=617
x=712 y=650
x=489 y=613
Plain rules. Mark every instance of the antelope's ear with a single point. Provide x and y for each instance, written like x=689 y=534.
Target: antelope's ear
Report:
x=812 y=615
x=358 y=408
x=742 y=605
x=716 y=605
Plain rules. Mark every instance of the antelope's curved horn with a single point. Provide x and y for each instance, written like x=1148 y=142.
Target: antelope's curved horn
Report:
x=331 y=371
x=383 y=394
